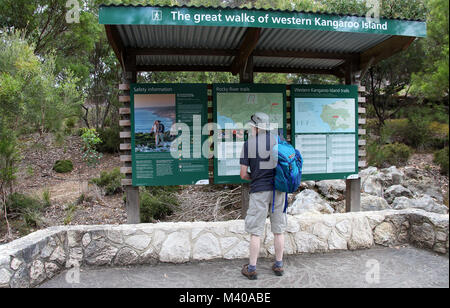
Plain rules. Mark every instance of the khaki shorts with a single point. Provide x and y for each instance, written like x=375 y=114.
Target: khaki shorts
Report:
x=260 y=206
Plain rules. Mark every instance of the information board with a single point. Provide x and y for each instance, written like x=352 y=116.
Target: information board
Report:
x=325 y=130
x=233 y=105
x=158 y=157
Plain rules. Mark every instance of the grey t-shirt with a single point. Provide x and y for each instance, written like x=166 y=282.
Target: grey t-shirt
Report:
x=257 y=154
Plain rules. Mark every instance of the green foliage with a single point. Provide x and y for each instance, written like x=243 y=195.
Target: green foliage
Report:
x=63 y=166
x=90 y=140
x=69 y=125
x=430 y=111
x=395 y=130
x=416 y=131
x=46 y=198
x=432 y=81
x=441 y=158
x=110 y=137
x=28 y=208
x=9 y=158
x=34 y=95
x=394 y=154
x=157 y=202
x=17 y=202
x=70 y=212
x=110 y=182
x=439 y=135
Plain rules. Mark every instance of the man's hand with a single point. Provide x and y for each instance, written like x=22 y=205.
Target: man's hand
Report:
x=244 y=173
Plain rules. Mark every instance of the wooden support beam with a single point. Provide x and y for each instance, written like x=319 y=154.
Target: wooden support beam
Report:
x=132 y=192
x=353 y=195
x=124 y=87
x=132 y=204
x=182 y=68
x=124 y=99
x=246 y=48
x=125 y=123
x=125 y=146
x=302 y=54
x=124 y=110
x=235 y=52
x=385 y=49
x=126 y=182
x=125 y=135
x=182 y=52
x=115 y=41
x=246 y=76
x=288 y=70
x=125 y=170
x=125 y=158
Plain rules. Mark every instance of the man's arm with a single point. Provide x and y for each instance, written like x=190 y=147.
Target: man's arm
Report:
x=244 y=173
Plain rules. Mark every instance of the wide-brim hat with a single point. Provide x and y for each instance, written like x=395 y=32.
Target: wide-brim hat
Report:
x=260 y=120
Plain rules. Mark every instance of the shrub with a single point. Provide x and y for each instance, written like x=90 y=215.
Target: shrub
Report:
x=27 y=207
x=46 y=198
x=414 y=131
x=373 y=126
x=90 y=139
x=17 y=202
x=394 y=130
x=63 y=166
x=110 y=182
x=441 y=158
x=71 y=122
x=396 y=154
x=418 y=132
x=110 y=140
x=157 y=202
x=439 y=134
x=9 y=157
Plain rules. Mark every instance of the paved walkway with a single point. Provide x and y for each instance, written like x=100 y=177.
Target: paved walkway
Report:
x=403 y=267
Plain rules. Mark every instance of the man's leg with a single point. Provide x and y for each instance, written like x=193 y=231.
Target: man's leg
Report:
x=254 y=224
x=254 y=249
x=278 y=221
x=279 y=246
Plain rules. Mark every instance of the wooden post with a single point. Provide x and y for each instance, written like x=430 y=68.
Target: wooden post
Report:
x=353 y=195
x=352 y=186
x=246 y=76
x=132 y=193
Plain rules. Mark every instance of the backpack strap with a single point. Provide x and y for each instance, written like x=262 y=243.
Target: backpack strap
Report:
x=273 y=199
x=285 y=203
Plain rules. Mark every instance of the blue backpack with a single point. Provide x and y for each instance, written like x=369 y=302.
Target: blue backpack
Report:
x=288 y=173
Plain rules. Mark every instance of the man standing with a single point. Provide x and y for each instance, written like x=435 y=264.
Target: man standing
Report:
x=258 y=156
x=158 y=129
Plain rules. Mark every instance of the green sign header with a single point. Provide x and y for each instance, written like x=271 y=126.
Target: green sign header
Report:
x=223 y=17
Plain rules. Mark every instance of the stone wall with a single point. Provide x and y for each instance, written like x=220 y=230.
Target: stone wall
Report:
x=39 y=256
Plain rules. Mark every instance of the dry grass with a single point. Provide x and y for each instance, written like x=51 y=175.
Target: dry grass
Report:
x=208 y=203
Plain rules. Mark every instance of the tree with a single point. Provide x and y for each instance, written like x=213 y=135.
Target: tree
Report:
x=386 y=81
x=432 y=81
x=33 y=96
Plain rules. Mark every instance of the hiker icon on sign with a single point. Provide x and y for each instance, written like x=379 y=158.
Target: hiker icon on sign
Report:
x=157 y=15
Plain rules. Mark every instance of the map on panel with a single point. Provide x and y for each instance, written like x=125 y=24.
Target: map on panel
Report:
x=237 y=108
x=324 y=115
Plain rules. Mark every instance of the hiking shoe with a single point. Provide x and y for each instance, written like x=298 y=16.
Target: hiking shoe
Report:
x=249 y=275
x=278 y=270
